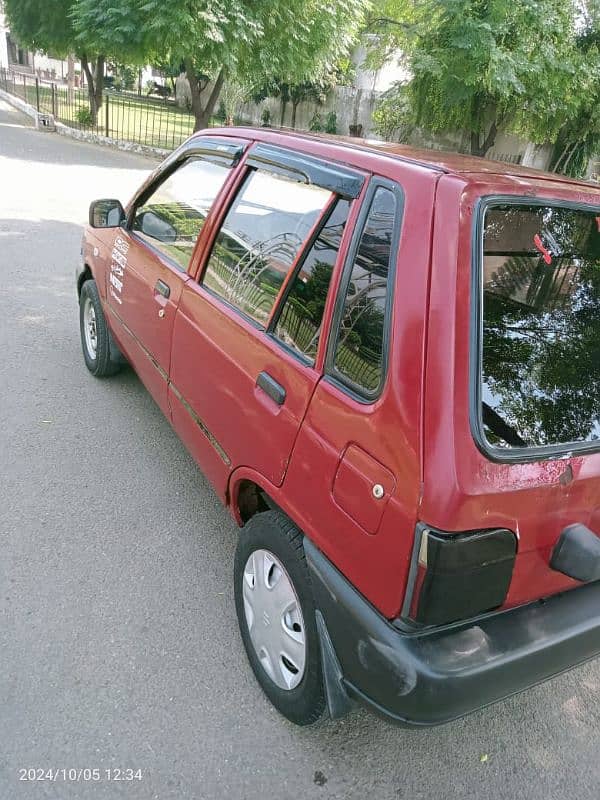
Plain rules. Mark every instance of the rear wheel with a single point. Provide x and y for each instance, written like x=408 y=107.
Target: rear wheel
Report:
x=276 y=615
x=95 y=335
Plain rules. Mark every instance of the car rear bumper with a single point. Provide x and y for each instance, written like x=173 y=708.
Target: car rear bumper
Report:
x=429 y=677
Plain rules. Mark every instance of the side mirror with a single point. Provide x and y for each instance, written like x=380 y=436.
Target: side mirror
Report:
x=156 y=227
x=106 y=214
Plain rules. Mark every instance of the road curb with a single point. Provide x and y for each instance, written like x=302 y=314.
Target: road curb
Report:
x=81 y=135
x=20 y=104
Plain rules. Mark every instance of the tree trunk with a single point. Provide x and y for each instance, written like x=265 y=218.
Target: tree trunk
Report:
x=561 y=164
x=95 y=84
x=570 y=156
x=202 y=112
x=294 y=109
x=70 y=79
x=356 y=108
x=556 y=165
x=99 y=80
x=479 y=148
x=283 y=108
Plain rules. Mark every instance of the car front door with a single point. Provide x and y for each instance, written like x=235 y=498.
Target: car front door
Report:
x=152 y=253
x=245 y=337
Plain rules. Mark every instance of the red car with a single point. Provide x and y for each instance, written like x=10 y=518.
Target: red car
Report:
x=387 y=362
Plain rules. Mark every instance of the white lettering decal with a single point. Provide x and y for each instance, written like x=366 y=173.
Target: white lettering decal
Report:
x=121 y=245
x=118 y=257
x=118 y=267
x=115 y=295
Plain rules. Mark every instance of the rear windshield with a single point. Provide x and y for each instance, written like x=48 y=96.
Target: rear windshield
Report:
x=541 y=325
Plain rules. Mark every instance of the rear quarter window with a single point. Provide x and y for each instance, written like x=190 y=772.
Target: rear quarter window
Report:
x=539 y=368
x=360 y=344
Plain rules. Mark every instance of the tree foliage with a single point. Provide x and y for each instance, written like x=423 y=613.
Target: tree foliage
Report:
x=578 y=138
x=250 y=41
x=55 y=28
x=482 y=65
x=41 y=25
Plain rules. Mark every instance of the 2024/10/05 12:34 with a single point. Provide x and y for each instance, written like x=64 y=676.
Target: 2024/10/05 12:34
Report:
x=75 y=775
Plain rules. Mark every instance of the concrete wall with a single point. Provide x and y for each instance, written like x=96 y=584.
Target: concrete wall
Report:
x=53 y=68
x=379 y=80
x=350 y=104
x=353 y=104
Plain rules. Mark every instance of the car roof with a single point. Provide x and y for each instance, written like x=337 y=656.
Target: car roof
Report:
x=454 y=163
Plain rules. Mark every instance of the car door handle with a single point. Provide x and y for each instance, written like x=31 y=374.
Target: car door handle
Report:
x=162 y=289
x=270 y=386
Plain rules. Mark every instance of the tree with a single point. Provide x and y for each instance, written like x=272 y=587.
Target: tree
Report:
x=274 y=88
x=39 y=25
x=308 y=90
x=393 y=115
x=342 y=74
x=294 y=93
x=481 y=65
x=578 y=138
x=170 y=69
x=52 y=28
x=248 y=41
x=232 y=95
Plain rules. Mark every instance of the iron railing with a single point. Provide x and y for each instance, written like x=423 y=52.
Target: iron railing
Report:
x=140 y=119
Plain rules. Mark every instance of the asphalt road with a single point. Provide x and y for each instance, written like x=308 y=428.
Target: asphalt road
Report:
x=118 y=641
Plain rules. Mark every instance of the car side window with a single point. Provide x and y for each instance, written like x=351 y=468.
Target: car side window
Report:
x=359 y=348
x=264 y=230
x=299 y=323
x=172 y=217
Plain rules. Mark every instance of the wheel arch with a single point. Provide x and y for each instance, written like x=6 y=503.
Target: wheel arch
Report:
x=246 y=490
x=84 y=275
x=249 y=493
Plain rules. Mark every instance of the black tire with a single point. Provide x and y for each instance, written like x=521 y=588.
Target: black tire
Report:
x=274 y=532
x=103 y=362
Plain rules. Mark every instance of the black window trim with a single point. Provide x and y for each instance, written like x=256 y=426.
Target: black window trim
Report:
x=324 y=219
x=214 y=149
x=332 y=374
x=510 y=454
x=340 y=180
x=225 y=152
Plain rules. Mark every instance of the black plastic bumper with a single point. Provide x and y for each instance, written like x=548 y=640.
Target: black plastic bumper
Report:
x=433 y=676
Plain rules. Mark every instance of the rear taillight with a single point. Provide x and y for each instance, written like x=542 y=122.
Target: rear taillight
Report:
x=455 y=576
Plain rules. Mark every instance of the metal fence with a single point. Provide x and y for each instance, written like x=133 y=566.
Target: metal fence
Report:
x=141 y=119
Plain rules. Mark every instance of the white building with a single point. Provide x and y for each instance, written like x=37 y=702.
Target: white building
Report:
x=3 y=39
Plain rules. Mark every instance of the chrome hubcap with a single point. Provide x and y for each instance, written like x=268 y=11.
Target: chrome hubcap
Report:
x=274 y=619
x=89 y=327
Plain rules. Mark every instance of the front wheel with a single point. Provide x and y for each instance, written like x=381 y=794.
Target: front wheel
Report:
x=276 y=615
x=95 y=335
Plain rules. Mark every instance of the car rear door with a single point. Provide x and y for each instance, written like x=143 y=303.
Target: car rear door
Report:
x=152 y=253
x=243 y=364
x=354 y=475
